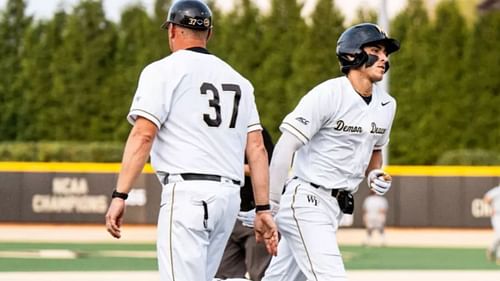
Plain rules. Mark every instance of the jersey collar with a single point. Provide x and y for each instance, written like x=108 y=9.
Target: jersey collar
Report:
x=199 y=50
x=367 y=101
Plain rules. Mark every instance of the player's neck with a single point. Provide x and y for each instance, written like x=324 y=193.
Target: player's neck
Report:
x=361 y=84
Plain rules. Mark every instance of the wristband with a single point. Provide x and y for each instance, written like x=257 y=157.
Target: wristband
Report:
x=259 y=208
x=117 y=194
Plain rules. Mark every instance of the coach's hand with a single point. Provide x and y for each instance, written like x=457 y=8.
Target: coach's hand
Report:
x=114 y=216
x=266 y=230
x=379 y=181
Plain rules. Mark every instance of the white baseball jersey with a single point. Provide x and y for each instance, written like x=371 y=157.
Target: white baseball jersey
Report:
x=494 y=194
x=374 y=208
x=203 y=110
x=340 y=132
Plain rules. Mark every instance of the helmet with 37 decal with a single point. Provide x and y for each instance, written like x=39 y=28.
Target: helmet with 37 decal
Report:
x=193 y=14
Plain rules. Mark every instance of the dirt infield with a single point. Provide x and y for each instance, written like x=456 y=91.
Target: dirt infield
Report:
x=478 y=238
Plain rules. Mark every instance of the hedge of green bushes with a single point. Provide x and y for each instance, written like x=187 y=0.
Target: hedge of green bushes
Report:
x=61 y=151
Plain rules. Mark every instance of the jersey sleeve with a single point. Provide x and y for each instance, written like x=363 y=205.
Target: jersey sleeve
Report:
x=308 y=117
x=254 y=121
x=150 y=100
x=384 y=140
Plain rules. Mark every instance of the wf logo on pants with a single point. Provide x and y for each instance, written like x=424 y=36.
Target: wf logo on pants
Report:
x=312 y=199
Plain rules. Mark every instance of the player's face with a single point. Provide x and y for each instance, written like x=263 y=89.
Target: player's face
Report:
x=376 y=71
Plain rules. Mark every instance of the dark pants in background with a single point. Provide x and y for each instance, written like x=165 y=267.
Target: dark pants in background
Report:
x=243 y=254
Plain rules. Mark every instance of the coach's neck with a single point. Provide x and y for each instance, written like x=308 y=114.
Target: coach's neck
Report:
x=180 y=38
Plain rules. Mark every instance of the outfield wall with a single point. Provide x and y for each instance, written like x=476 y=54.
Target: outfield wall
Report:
x=71 y=193
x=421 y=196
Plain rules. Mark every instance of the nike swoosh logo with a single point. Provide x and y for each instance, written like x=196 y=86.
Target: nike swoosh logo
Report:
x=385 y=103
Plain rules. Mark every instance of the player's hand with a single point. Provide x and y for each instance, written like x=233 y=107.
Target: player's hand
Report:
x=379 y=181
x=266 y=231
x=247 y=218
x=114 y=216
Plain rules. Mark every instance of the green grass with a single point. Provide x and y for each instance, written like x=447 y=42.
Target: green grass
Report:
x=358 y=258
x=88 y=260
x=396 y=258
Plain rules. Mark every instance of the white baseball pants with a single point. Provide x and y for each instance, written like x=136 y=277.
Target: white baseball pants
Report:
x=308 y=220
x=195 y=221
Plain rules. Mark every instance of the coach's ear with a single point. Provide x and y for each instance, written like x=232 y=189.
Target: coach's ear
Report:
x=209 y=34
x=171 y=30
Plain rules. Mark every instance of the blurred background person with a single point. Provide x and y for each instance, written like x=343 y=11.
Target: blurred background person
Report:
x=374 y=217
x=492 y=197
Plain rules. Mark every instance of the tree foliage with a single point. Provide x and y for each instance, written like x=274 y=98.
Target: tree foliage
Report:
x=71 y=78
x=310 y=68
x=283 y=30
x=13 y=26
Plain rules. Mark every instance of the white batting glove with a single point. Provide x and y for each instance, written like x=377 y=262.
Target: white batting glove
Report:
x=247 y=217
x=379 y=181
x=275 y=207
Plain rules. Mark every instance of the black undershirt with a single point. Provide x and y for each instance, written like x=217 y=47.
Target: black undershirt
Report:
x=367 y=99
x=198 y=50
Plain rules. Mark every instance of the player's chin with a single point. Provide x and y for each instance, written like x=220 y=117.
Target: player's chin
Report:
x=377 y=77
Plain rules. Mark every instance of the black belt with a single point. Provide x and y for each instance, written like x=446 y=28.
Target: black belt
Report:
x=199 y=177
x=334 y=192
x=344 y=198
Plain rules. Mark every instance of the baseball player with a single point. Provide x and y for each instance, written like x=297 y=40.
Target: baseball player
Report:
x=336 y=133
x=492 y=197
x=196 y=117
x=374 y=215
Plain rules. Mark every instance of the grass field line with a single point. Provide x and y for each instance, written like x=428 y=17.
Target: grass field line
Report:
x=354 y=275
x=39 y=254
x=69 y=254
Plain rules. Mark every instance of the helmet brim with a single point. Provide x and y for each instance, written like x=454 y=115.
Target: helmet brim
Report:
x=391 y=45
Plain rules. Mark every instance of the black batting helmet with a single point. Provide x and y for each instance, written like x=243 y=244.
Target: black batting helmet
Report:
x=193 y=14
x=351 y=42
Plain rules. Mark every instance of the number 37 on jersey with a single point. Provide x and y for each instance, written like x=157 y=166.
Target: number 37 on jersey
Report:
x=214 y=102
